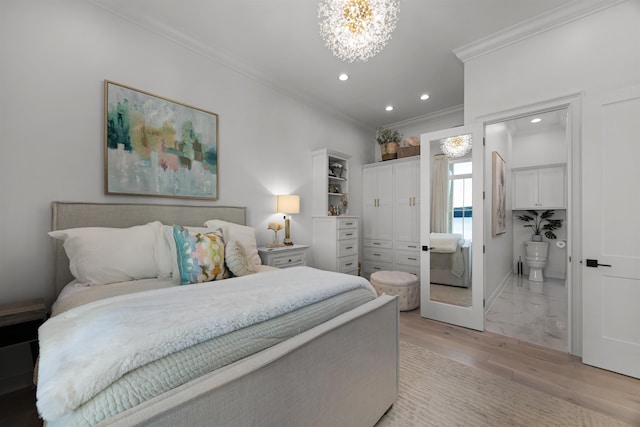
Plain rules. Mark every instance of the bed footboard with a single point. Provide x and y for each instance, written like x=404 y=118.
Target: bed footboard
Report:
x=342 y=373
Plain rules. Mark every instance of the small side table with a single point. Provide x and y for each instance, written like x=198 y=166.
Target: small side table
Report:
x=19 y=323
x=284 y=256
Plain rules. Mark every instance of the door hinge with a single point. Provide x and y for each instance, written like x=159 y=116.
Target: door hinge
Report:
x=483 y=195
x=484 y=141
x=483 y=249
x=484 y=303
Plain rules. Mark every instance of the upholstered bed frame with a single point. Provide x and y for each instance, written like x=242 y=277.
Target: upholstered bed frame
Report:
x=342 y=372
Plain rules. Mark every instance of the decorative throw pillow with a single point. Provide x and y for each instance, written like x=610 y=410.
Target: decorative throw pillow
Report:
x=236 y=259
x=242 y=233
x=200 y=255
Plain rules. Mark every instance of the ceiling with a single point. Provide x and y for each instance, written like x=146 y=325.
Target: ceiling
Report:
x=278 y=43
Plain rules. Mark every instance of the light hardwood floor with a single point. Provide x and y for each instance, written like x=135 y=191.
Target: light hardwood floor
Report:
x=552 y=372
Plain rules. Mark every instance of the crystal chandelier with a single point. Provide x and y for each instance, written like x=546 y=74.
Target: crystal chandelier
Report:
x=456 y=146
x=357 y=29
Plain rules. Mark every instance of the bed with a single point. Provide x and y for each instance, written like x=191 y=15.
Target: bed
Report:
x=341 y=370
x=450 y=260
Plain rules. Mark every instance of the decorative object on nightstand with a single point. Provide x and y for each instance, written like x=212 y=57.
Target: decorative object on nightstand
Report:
x=275 y=227
x=284 y=256
x=287 y=204
x=19 y=323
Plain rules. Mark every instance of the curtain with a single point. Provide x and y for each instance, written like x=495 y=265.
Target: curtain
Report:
x=440 y=222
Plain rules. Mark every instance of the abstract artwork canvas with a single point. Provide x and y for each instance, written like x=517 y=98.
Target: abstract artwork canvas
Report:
x=158 y=147
x=499 y=194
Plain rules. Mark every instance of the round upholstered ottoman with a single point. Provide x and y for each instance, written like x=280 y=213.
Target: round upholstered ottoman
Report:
x=403 y=285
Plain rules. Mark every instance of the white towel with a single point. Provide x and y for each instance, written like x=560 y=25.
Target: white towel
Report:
x=444 y=243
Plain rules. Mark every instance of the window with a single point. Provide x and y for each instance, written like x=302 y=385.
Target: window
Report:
x=460 y=201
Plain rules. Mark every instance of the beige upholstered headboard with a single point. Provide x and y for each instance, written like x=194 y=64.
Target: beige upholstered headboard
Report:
x=71 y=215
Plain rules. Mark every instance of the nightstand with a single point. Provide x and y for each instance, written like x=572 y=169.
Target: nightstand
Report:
x=284 y=256
x=19 y=323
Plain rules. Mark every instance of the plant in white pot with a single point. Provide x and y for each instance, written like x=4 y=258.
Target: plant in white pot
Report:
x=389 y=140
x=541 y=222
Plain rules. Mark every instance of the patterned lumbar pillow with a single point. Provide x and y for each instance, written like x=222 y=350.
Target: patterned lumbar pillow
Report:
x=200 y=255
x=237 y=259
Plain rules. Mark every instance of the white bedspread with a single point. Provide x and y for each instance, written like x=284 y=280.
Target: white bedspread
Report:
x=85 y=349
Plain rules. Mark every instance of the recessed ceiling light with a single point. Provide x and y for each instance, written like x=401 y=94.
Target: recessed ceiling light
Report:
x=536 y=120
x=343 y=77
x=424 y=96
x=389 y=108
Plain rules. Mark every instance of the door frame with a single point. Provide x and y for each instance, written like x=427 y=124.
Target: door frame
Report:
x=572 y=102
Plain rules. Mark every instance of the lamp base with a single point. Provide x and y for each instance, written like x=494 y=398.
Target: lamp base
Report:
x=287 y=242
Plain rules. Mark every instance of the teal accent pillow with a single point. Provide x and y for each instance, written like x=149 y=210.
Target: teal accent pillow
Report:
x=200 y=255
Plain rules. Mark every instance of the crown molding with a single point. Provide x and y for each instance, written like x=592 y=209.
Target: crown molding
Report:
x=554 y=18
x=429 y=116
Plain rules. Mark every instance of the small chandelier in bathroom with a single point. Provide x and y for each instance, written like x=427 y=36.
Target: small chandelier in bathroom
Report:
x=456 y=146
x=357 y=29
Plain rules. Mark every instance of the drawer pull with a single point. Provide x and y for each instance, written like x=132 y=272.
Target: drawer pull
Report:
x=377 y=254
x=413 y=259
x=376 y=268
x=376 y=244
x=289 y=259
x=412 y=246
x=348 y=234
x=348 y=264
x=349 y=247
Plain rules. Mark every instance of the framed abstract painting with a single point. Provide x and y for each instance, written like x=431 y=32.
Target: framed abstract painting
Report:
x=154 y=146
x=499 y=194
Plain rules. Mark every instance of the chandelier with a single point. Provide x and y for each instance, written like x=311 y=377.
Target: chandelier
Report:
x=456 y=146
x=357 y=29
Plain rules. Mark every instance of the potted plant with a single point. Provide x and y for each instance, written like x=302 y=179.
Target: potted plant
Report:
x=540 y=222
x=389 y=140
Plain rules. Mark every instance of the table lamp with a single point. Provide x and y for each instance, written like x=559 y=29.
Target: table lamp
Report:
x=287 y=204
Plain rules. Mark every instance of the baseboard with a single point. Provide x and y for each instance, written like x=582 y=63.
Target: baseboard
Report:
x=496 y=293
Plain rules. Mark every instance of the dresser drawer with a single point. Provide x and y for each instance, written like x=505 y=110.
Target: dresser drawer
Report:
x=407 y=258
x=347 y=223
x=378 y=254
x=369 y=267
x=292 y=260
x=373 y=243
x=407 y=246
x=348 y=233
x=347 y=247
x=348 y=264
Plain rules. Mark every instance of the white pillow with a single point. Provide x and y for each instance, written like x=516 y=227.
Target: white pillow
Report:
x=242 y=233
x=237 y=260
x=101 y=255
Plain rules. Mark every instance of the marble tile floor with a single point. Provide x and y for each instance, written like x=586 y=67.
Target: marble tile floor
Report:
x=534 y=312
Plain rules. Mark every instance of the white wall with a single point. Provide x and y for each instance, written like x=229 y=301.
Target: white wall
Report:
x=499 y=248
x=539 y=148
x=55 y=57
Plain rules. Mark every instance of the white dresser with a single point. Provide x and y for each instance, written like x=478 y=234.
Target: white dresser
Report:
x=335 y=243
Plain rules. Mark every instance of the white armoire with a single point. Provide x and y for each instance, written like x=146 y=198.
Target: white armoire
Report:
x=391 y=216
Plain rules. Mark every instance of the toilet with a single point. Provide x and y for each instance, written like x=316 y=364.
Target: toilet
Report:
x=536 y=259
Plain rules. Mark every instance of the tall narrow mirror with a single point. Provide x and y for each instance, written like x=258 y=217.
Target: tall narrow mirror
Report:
x=451 y=220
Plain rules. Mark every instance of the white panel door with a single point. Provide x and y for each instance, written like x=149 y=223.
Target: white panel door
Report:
x=377 y=206
x=433 y=307
x=611 y=231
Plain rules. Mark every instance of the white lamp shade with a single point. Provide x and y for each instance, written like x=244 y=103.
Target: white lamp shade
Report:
x=288 y=204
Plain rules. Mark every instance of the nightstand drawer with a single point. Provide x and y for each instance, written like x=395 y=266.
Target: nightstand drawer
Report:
x=291 y=260
x=347 y=247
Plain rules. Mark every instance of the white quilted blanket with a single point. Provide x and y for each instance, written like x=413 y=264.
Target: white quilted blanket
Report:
x=83 y=350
